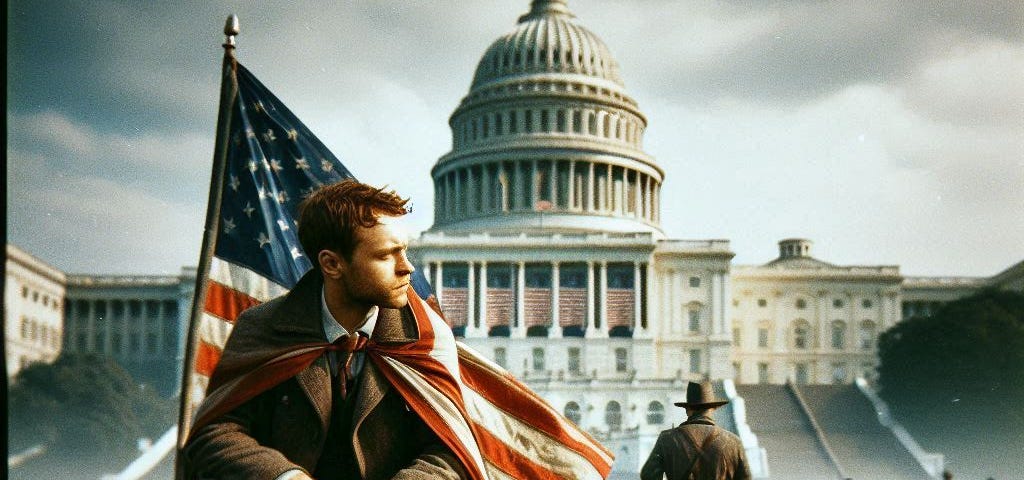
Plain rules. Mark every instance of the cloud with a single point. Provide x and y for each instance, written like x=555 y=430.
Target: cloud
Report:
x=93 y=202
x=979 y=82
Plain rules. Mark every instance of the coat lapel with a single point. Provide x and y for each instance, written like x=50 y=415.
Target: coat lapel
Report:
x=393 y=326
x=299 y=321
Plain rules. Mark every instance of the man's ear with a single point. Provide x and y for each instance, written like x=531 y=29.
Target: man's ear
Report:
x=331 y=264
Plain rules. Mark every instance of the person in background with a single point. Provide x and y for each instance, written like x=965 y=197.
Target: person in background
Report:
x=697 y=449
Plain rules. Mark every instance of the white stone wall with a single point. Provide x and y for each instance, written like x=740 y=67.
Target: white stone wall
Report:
x=822 y=327
x=33 y=311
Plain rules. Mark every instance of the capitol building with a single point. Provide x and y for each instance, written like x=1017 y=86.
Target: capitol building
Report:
x=547 y=255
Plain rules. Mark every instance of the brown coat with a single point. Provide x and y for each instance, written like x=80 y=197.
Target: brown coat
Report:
x=285 y=427
x=676 y=453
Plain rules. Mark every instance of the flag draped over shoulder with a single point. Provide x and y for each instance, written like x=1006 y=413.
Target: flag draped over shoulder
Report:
x=497 y=427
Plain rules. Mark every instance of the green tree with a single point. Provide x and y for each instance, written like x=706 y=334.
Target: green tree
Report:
x=967 y=359
x=84 y=407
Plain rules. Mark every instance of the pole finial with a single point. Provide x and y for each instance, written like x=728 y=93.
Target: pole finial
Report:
x=230 y=30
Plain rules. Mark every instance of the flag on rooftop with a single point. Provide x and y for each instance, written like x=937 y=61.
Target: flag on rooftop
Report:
x=266 y=161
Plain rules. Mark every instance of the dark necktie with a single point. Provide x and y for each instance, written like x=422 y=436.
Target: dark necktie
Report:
x=345 y=347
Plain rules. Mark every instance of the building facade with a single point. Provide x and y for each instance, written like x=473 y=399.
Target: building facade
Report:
x=804 y=320
x=138 y=320
x=33 y=310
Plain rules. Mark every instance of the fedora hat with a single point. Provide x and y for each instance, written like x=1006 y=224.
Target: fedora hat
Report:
x=700 y=395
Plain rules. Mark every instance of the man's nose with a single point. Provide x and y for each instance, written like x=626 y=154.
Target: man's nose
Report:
x=404 y=266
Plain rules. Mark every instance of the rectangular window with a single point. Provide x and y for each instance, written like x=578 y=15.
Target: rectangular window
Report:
x=621 y=360
x=694 y=321
x=538 y=359
x=500 y=357
x=838 y=373
x=838 y=337
x=762 y=337
x=695 y=357
x=762 y=373
x=802 y=374
x=695 y=282
x=574 y=360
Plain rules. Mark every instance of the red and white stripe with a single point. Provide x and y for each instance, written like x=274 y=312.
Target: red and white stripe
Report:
x=488 y=418
x=231 y=289
x=619 y=306
x=497 y=426
x=454 y=305
x=572 y=306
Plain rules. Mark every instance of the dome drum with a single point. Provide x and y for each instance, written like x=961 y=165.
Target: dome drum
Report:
x=550 y=186
x=574 y=119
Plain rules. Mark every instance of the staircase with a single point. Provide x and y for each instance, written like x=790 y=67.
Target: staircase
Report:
x=794 y=452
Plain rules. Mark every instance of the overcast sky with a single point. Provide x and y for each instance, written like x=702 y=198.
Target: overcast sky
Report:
x=888 y=133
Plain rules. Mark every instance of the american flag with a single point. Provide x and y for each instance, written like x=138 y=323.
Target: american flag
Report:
x=271 y=161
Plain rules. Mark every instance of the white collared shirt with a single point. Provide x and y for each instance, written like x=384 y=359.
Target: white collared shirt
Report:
x=333 y=331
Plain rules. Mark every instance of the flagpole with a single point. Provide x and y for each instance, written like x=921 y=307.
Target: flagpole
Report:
x=228 y=96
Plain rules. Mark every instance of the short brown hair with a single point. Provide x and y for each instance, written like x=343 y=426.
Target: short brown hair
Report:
x=328 y=218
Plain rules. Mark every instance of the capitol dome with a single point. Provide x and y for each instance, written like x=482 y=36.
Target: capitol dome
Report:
x=547 y=138
x=547 y=40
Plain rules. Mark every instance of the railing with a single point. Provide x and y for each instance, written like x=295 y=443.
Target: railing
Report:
x=757 y=456
x=933 y=463
x=818 y=432
x=150 y=458
x=19 y=458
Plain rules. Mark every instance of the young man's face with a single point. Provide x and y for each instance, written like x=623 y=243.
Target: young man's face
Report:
x=379 y=272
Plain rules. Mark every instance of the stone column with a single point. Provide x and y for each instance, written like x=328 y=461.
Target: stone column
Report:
x=602 y=332
x=486 y=190
x=520 y=327
x=637 y=196
x=108 y=325
x=609 y=191
x=589 y=201
x=426 y=273
x=553 y=182
x=590 y=329
x=459 y=197
x=160 y=315
x=471 y=320
x=142 y=330
x=572 y=185
x=636 y=296
x=555 y=331
x=438 y=284
x=87 y=325
x=472 y=199
x=534 y=190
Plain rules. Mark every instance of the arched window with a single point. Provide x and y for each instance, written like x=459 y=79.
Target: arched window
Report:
x=867 y=335
x=655 y=413
x=572 y=412
x=613 y=416
x=801 y=335
x=838 y=335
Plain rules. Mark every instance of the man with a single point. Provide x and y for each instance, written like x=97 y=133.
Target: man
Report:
x=333 y=413
x=697 y=449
